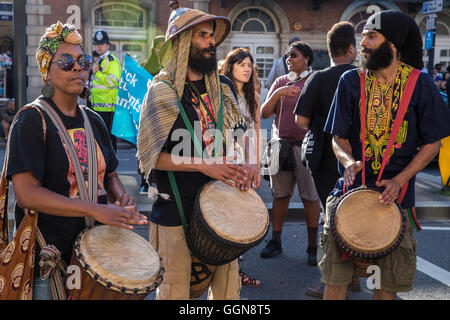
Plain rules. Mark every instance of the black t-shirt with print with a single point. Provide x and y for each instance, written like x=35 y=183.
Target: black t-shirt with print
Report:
x=165 y=212
x=50 y=164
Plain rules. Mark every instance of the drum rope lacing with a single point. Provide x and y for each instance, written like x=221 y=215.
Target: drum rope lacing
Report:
x=108 y=284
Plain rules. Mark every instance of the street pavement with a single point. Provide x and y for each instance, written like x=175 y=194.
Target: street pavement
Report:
x=286 y=276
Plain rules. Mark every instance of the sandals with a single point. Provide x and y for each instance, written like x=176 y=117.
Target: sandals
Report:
x=247 y=281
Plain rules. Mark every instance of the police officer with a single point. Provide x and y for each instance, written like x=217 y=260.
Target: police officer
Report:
x=105 y=83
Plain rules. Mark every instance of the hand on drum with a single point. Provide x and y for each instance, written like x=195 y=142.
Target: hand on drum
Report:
x=253 y=180
x=127 y=201
x=231 y=174
x=391 y=191
x=350 y=173
x=119 y=216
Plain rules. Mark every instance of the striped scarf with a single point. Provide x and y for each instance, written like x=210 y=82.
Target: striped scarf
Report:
x=160 y=106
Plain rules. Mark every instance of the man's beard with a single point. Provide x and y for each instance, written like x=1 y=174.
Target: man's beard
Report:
x=199 y=63
x=379 y=58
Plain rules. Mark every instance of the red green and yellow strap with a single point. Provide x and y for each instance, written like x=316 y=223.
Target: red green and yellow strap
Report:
x=412 y=218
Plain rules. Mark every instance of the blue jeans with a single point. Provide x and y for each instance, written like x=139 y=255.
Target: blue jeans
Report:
x=41 y=289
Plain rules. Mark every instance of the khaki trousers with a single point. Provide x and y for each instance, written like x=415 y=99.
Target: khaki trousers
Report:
x=170 y=242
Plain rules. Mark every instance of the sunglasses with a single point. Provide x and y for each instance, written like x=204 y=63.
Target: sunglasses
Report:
x=291 y=55
x=66 y=62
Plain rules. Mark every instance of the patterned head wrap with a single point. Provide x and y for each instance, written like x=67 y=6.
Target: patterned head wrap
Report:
x=50 y=42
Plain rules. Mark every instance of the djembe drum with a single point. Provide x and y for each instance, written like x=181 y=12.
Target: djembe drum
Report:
x=225 y=223
x=116 y=264
x=365 y=228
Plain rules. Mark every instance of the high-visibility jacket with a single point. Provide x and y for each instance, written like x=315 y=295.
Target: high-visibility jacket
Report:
x=105 y=84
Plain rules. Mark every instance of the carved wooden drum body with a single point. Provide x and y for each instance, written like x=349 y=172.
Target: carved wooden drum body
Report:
x=116 y=264
x=226 y=222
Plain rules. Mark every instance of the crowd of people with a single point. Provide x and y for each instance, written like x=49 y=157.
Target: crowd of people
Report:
x=326 y=146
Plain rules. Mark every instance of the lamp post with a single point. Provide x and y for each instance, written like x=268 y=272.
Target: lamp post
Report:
x=20 y=55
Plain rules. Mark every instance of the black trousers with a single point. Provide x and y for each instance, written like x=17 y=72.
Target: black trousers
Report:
x=325 y=178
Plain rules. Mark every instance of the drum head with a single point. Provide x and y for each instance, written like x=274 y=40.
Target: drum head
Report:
x=120 y=256
x=365 y=224
x=238 y=216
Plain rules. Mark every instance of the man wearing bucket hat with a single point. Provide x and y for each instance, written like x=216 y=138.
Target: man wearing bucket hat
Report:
x=105 y=83
x=394 y=95
x=189 y=81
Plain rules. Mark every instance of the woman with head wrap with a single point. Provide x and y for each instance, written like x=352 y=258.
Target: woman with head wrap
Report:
x=40 y=163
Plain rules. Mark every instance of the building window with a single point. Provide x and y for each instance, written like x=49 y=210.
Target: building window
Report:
x=131 y=47
x=119 y=15
x=264 y=50
x=359 y=19
x=253 y=20
x=264 y=65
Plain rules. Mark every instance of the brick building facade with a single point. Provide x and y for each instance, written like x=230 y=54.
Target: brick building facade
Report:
x=263 y=26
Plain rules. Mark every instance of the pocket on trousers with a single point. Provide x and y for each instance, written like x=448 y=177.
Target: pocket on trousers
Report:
x=323 y=243
x=323 y=238
x=405 y=262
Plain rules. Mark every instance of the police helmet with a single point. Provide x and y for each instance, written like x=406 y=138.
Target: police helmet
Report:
x=101 y=37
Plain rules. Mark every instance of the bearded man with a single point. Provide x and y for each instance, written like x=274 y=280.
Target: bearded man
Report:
x=392 y=54
x=188 y=92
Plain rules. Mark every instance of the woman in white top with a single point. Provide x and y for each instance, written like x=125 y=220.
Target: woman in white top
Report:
x=239 y=67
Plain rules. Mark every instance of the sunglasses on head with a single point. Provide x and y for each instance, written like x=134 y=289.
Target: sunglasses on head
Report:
x=66 y=62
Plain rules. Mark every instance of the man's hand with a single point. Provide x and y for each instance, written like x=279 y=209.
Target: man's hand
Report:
x=254 y=177
x=127 y=201
x=350 y=173
x=231 y=174
x=391 y=191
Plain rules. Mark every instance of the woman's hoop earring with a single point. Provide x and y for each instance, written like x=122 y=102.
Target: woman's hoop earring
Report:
x=48 y=91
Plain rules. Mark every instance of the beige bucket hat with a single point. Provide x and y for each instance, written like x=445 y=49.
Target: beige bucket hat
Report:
x=182 y=19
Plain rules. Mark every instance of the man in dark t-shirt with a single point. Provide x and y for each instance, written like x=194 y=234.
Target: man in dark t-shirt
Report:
x=188 y=93
x=314 y=104
x=391 y=57
x=165 y=212
x=312 y=110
